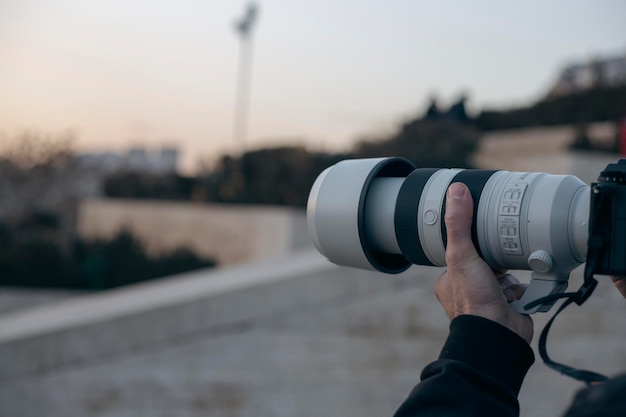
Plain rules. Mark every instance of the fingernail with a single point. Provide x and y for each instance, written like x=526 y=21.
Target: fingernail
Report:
x=456 y=191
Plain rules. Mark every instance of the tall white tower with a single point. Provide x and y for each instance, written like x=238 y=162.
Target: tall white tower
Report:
x=244 y=28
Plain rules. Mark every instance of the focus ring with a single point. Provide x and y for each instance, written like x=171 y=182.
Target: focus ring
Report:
x=405 y=217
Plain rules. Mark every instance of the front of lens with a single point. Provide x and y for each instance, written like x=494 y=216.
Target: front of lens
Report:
x=342 y=215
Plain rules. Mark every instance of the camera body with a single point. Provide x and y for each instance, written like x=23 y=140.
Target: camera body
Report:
x=607 y=220
x=384 y=214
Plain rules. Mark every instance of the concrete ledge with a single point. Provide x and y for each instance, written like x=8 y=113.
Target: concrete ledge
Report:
x=13 y=299
x=116 y=321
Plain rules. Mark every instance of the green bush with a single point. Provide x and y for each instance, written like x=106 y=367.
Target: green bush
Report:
x=39 y=262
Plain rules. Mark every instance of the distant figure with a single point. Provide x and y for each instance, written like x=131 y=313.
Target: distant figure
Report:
x=582 y=141
x=457 y=111
x=433 y=112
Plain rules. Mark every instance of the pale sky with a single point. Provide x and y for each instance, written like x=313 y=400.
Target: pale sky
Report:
x=156 y=72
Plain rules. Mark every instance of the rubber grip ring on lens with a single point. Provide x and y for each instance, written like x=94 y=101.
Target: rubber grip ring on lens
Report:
x=383 y=262
x=405 y=217
x=475 y=179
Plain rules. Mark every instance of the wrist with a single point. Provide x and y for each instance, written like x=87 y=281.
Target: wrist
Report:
x=495 y=349
x=520 y=324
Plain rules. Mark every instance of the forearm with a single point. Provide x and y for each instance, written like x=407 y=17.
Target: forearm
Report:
x=479 y=373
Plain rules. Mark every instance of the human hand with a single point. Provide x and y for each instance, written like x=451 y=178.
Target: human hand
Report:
x=620 y=284
x=470 y=286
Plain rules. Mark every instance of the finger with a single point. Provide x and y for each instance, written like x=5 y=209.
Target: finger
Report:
x=514 y=292
x=459 y=211
x=511 y=287
x=507 y=280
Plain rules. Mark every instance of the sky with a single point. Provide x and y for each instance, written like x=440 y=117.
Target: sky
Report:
x=325 y=73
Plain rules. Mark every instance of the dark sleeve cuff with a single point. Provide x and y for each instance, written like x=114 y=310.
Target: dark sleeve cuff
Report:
x=490 y=347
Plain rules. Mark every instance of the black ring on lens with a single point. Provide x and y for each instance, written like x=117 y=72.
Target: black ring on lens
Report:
x=475 y=179
x=405 y=217
x=384 y=262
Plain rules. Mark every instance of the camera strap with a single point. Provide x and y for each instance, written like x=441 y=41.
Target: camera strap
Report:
x=585 y=376
x=595 y=245
x=578 y=297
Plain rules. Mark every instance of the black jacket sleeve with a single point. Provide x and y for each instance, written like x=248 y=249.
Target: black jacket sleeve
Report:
x=479 y=373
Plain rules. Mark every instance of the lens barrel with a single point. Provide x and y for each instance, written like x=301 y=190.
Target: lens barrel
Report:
x=384 y=214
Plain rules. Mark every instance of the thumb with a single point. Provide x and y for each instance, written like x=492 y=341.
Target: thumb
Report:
x=460 y=250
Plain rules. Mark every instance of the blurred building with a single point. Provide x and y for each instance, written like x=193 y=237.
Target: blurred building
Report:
x=607 y=72
x=167 y=161
x=137 y=159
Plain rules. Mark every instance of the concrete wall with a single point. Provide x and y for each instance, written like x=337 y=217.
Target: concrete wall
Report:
x=228 y=233
x=545 y=149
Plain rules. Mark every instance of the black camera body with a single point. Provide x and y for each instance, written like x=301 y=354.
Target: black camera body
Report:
x=607 y=221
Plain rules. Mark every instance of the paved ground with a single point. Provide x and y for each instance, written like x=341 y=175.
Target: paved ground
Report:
x=355 y=354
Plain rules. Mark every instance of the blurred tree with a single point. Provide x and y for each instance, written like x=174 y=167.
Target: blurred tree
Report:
x=39 y=186
x=427 y=143
x=143 y=185
x=279 y=176
x=594 y=105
